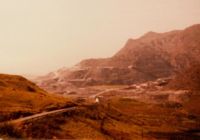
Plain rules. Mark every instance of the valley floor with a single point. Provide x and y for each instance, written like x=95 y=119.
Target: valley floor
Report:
x=119 y=113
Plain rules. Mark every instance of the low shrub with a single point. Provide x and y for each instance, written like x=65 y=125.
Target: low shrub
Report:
x=9 y=130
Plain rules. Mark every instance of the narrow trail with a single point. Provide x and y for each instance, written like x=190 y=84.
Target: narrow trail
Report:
x=39 y=115
x=101 y=92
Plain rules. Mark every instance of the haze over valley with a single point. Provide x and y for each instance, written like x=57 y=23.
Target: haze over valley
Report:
x=105 y=70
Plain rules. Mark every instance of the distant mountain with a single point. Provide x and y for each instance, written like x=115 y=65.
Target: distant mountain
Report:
x=152 y=56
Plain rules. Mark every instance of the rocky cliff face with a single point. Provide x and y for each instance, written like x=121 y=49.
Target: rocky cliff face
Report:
x=188 y=79
x=154 y=55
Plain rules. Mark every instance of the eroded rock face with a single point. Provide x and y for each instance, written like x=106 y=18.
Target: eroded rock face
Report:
x=188 y=79
x=153 y=56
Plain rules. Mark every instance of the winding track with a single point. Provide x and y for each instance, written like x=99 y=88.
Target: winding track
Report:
x=39 y=115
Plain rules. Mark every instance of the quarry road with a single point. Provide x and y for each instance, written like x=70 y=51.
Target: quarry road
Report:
x=101 y=92
x=40 y=115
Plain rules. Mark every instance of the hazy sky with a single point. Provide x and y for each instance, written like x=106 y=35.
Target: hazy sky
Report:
x=39 y=36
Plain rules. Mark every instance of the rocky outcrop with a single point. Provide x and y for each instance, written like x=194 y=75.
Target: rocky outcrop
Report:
x=187 y=79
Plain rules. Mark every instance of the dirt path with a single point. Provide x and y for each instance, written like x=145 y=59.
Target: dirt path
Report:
x=39 y=115
x=101 y=92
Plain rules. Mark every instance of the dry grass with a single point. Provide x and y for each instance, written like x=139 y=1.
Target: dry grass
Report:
x=8 y=130
x=117 y=119
x=20 y=97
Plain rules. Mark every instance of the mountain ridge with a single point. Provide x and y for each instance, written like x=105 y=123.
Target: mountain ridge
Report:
x=152 y=56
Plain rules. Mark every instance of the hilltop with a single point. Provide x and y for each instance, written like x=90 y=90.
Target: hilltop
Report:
x=20 y=97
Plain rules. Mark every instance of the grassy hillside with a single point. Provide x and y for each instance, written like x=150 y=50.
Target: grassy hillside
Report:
x=20 y=97
x=115 y=119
